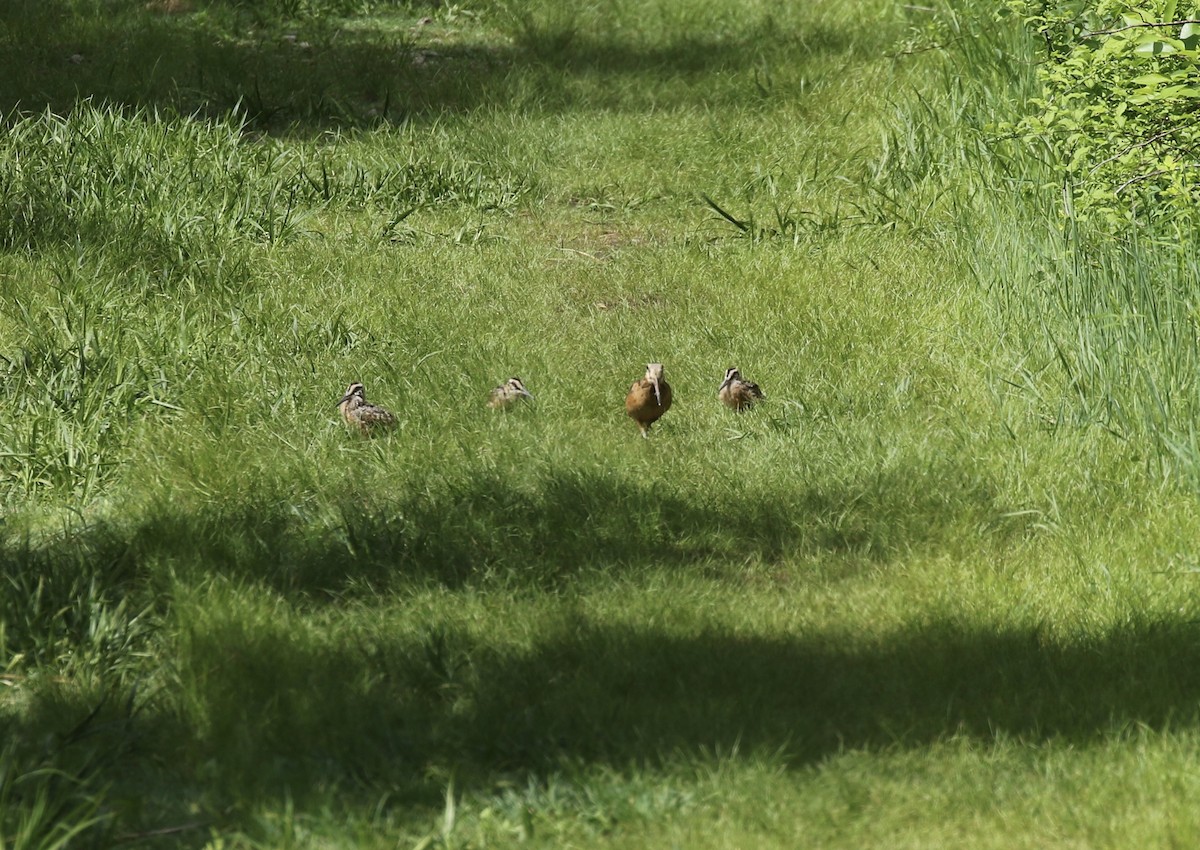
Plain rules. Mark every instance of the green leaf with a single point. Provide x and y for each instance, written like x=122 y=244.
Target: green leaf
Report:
x=1156 y=47
x=1174 y=92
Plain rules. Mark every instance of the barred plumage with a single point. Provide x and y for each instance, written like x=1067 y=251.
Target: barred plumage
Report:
x=737 y=392
x=510 y=391
x=360 y=414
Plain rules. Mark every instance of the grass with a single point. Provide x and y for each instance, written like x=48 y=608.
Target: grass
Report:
x=937 y=589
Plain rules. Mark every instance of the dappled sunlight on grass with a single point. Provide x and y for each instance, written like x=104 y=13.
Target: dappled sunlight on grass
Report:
x=263 y=696
x=318 y=71
x=929 y=592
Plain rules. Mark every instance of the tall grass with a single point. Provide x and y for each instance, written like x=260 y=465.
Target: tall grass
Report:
x=1103 y=330
x=136 y=210
x=185 y=197
x=46 y=808
x=1110 y=336
x=1095 y=332
x=168 y=193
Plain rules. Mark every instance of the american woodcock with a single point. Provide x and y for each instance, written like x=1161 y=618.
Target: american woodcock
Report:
x=737 y=392
x=507 y=393
x=649 y=398
x=361 y=414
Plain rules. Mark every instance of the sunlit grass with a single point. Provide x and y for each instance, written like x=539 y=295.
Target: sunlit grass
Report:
x=919 y=596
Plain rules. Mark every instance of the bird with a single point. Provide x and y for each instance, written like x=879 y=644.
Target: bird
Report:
x=507 y=393
x=648 y=398
x=737 y=392
x=361 y=414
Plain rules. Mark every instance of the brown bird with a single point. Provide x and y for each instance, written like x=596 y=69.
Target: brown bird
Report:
x=648 y=398
x=504 y=395
x=361 y=414
x=738 y=393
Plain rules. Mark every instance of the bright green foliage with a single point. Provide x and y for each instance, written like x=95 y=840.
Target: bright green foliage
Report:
x=163 y=191
x=1120 y=105
x=185 y=198
x=135 y=211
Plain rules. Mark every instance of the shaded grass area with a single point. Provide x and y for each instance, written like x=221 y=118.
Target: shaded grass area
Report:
x=270 y=701
x=317 y=69
x=548 y=530
x=502 y=634
x=541 y=530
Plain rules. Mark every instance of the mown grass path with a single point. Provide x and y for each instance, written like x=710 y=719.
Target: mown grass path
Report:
x=901 y=603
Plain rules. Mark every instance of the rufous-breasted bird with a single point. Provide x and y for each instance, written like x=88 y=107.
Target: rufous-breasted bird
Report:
x=648 y=398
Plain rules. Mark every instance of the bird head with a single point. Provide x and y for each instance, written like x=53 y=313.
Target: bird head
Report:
x=654 y=374
x=515 y=385
x=355 y=390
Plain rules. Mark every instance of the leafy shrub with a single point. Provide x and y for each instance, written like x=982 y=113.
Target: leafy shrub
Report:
x=1120 y=104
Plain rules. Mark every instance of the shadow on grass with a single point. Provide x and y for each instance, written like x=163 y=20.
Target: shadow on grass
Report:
x=546 y=531
x=83 y=585
x=628 y=695
x=289 y=684
x=273 y=716
x=310 y=77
